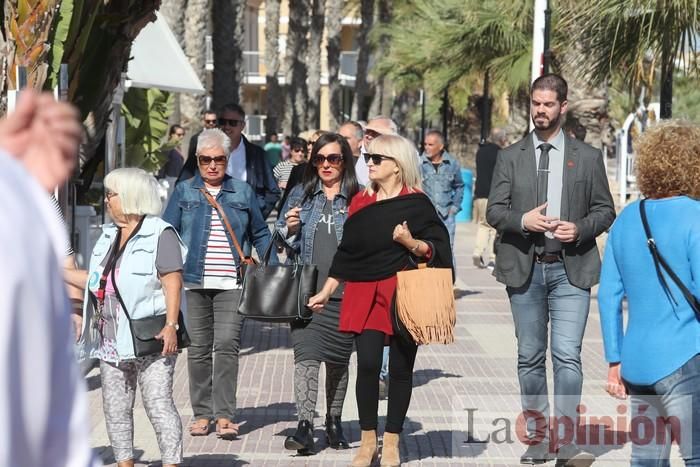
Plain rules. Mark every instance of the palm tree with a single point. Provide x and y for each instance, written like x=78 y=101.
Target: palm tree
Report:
x=313 y=114
x=296 y=71
x=334 y=17
x=272 y=65
x=196 y=18
x=360 y=107
x=228 y=26
x=618 y=35
x=385 y=12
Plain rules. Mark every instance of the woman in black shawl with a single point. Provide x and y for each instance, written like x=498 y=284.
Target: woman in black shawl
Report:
x=392 y=225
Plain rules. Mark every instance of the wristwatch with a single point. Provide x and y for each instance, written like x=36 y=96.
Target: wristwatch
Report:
x=174 y=325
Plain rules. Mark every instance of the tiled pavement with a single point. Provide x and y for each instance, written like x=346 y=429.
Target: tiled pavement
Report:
x=478 y=371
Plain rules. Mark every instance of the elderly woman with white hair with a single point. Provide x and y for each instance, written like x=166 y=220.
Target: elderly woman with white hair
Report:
x=200 y=209
x=135 y=273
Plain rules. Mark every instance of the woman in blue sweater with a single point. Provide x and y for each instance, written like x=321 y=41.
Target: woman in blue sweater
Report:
x=656 y=358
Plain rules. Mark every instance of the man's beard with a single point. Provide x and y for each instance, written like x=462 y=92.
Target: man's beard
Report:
x=547 y=125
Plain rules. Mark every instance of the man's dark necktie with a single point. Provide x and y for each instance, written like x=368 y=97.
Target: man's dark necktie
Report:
x=545 y=244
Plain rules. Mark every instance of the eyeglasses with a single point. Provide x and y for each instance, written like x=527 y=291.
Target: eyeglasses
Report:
x=206 y=160
x=377 y=158
x=210 y=122
x=110 y=194
x=229 y=122
x=333 y=159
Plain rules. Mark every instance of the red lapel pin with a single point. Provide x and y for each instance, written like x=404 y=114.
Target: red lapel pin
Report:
x=570 y=164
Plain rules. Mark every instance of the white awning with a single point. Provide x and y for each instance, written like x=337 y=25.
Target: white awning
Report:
x=159 y=62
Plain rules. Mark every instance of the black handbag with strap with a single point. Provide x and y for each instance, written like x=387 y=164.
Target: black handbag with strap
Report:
x=278 y=293
x=660 y=262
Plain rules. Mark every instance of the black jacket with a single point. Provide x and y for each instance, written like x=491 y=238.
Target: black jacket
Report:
x=258 y=174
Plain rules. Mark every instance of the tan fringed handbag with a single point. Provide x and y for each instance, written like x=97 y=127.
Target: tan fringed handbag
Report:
x=425 y=305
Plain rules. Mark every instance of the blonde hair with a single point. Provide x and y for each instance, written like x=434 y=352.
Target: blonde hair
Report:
x=404 y=154
x=137 y=190
x=668 y=160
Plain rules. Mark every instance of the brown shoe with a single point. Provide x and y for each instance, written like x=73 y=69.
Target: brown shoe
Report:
x=367 y=452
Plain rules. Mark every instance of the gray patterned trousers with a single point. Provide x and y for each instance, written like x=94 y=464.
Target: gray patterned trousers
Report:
x=154 y=375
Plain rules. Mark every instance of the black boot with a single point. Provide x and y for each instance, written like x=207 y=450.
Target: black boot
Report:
x=302 y=440
x=334 y=433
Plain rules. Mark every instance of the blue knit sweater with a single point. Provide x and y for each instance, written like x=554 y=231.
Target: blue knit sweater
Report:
x=660 y=336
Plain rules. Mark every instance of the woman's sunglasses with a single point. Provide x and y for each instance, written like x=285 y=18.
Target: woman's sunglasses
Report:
x=377 y=158
x=206 y=160
x=333 y=159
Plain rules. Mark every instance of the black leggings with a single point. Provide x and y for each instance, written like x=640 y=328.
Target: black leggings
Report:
x=402 y=357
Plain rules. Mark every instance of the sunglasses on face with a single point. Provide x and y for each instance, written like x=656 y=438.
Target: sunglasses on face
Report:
x=377 y=158
x=110 y=194
x=206 y=160
x=232 y=122
x=210 y=122
x=333 y=159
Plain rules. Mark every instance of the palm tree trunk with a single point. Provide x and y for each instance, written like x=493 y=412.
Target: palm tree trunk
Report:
x=174 y=13
x=667 y=68
x=334 y=17
x=359 y=106
x=385 y=10
x=295 y=76
x=228 y=26
x=272 y=65
x=196 y=17
x=313 y=115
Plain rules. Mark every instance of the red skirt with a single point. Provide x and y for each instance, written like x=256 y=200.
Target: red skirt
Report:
x=366 y=305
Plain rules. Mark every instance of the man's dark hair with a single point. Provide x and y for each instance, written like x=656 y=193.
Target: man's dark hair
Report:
x=580 y=132
x=208 y=112
x=232 y=107
x=358 y=128
x=296 y=143
x=574 y=128
x=174 y=129
x=551 y=82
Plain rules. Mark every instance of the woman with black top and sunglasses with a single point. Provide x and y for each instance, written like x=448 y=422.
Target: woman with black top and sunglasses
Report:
x=312 y=227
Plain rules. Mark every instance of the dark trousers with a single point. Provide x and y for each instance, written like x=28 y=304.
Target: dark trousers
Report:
x=402 y=357
x=214 y=327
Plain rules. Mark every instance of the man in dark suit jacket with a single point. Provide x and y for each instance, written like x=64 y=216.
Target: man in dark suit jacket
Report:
x=247 y=161
x=549 y=200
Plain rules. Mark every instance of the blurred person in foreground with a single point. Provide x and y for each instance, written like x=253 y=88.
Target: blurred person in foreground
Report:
x=656 y=357
x=43 y=396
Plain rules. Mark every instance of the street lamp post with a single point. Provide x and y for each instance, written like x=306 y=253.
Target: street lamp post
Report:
x=547 y=55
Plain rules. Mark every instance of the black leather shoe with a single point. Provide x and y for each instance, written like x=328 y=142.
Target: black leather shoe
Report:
x=571 y=455
x=302 y=440
x=536 y=454
x=334 y=433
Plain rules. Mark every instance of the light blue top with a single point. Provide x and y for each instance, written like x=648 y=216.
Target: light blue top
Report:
x=660 y=336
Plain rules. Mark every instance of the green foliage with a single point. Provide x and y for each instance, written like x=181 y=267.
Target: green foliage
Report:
x=686 y=103
x=146 y=112
x=60 y=31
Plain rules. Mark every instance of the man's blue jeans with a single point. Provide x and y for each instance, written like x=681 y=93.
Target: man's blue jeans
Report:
x=549 y=296
x=676 y=396
x=449 y=222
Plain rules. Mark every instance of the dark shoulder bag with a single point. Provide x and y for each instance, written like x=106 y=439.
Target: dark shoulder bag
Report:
x=278 y=293
x=660 y=262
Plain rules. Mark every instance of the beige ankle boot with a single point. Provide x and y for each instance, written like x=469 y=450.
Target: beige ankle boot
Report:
x=390 y=450
x=367 y=452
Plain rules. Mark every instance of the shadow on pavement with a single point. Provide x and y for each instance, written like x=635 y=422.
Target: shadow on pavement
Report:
x=260 y=417
x=436 y=443
x=459 y=293
x=422 y=377
x=105 y=453
x=211 y=460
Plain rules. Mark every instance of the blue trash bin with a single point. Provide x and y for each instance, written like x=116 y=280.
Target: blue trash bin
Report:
x=465 y=215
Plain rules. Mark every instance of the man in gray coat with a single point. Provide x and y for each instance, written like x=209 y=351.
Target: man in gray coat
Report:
x=549 y=200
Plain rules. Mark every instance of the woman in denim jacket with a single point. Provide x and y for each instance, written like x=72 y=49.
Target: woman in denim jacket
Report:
x=212 y=278
x=312 y=226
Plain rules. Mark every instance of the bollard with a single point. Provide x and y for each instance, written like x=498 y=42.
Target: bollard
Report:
x=465 y=215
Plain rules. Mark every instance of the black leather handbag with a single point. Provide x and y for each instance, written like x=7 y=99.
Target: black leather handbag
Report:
x=278 y=293
x=144 y=330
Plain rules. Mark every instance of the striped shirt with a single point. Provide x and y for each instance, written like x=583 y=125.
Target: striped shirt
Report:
x=59 y=215
x=219 y=263
x=283 y=170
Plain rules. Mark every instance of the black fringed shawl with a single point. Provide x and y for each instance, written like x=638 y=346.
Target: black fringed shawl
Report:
x=368 y=252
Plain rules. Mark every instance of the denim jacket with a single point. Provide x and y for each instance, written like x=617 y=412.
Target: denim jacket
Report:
x=302 y=241
x=445 y=188
x=138 y=283
x=190 y=213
